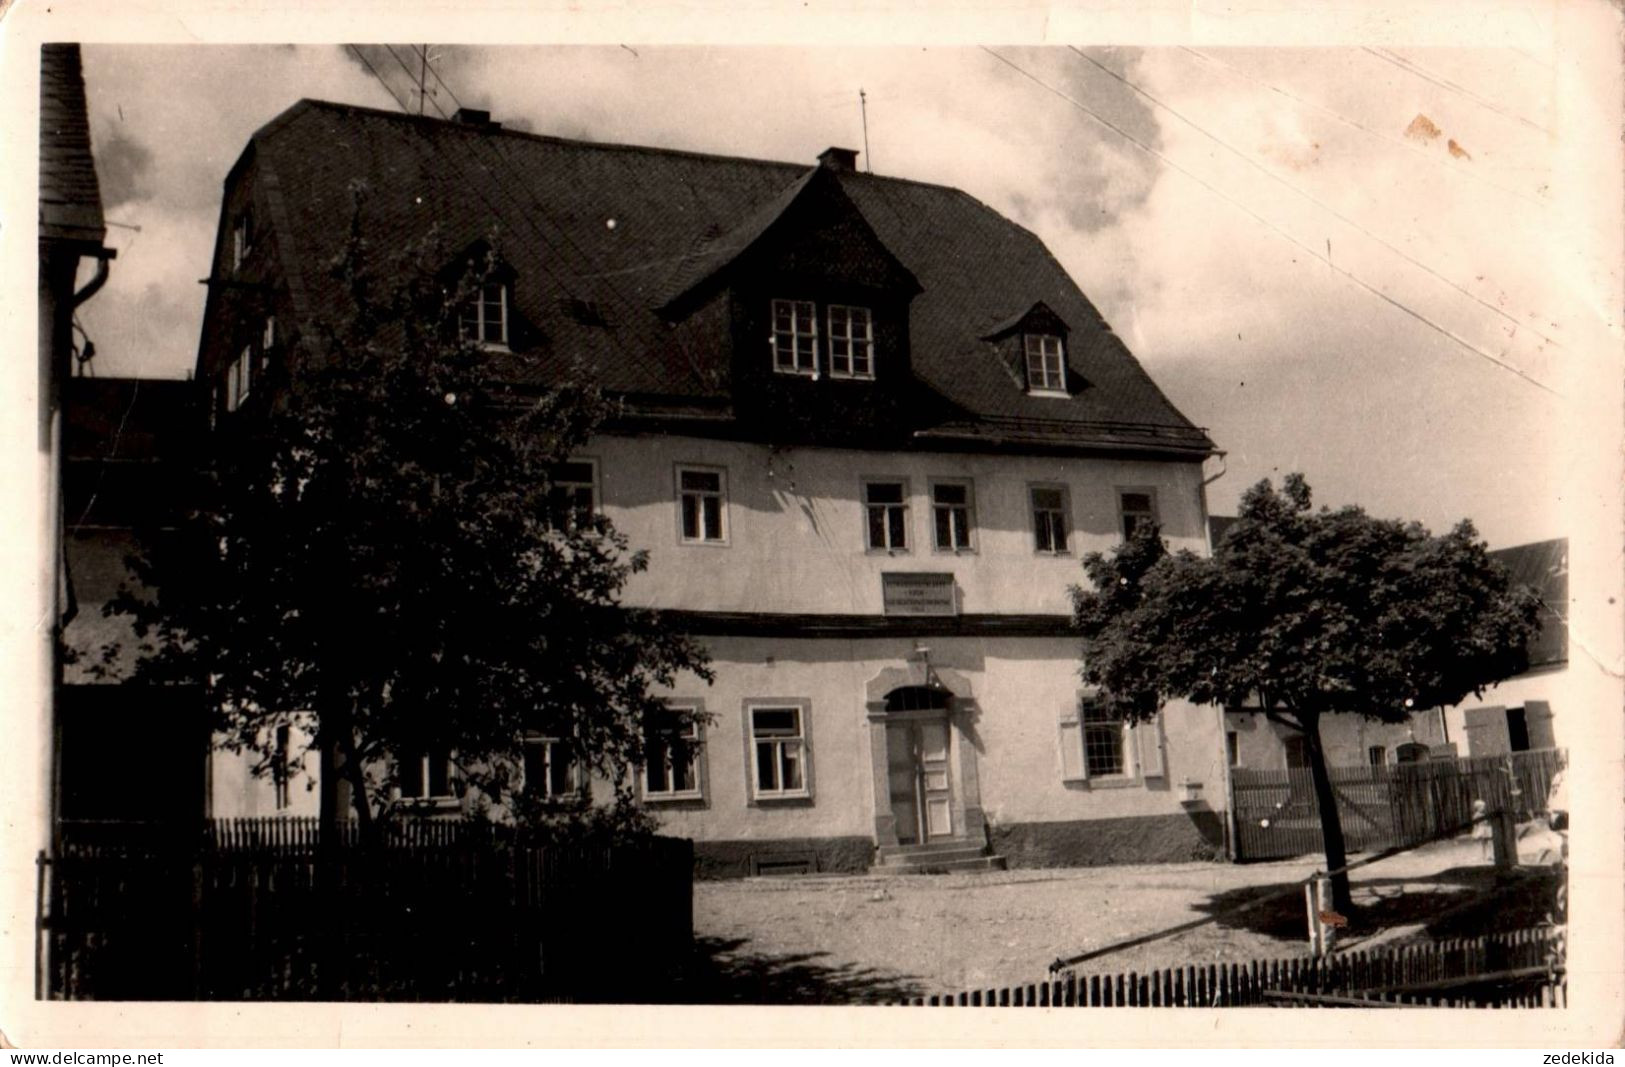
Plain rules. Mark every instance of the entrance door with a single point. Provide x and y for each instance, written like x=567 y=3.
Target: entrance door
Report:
x=917 y=769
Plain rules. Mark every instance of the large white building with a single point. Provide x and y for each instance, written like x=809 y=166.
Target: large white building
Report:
x=870 y=428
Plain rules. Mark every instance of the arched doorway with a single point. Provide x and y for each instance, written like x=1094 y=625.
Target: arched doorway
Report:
x=922 y=751
x=918 y=756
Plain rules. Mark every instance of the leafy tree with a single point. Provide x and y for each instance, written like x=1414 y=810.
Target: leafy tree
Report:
x=1310 y=613
x=377 y=554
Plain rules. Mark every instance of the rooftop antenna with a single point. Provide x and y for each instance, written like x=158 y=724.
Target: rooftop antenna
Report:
x=863 y=106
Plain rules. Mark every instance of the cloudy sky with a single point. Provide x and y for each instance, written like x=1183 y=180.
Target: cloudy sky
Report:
x=1351 y=262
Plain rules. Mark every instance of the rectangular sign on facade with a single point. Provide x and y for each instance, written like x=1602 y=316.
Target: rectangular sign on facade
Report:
x=918 y=594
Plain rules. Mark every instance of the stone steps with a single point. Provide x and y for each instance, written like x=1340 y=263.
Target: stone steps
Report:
x=936 y=857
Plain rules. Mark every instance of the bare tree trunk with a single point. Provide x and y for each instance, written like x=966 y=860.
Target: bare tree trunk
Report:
x=354 y=773
x=1331 y=821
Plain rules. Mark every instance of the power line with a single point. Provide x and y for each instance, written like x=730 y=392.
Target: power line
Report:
x=1436 y=160
x=422 y=95
x=441 y=80
x=1310 y=250
x=380 y=78
x=1401 y=253
x=1444 y=83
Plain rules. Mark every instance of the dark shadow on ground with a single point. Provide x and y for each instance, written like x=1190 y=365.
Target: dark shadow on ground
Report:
x=1458 y=902
x=724 y=972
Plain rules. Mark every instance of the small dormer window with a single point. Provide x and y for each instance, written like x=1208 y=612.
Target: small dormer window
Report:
x=851 y=342
x=795 y=337
x=1046 y=365
x=484 y=319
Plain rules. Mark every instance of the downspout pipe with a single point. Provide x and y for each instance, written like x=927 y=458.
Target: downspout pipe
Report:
x=104 y=257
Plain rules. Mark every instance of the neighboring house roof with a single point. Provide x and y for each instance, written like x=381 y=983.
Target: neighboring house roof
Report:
x=124 y=441
x=1543 y=566
x=623 y=229
x=70 y=204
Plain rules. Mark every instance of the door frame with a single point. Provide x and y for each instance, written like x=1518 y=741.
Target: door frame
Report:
x=961 y=715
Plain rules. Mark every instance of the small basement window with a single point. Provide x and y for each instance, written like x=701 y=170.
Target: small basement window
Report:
x=1046 y=365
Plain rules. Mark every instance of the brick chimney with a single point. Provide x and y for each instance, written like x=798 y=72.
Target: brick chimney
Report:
x=472 y=116
x=839 y=159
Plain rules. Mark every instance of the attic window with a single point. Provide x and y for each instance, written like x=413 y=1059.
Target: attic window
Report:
x=585 y=312
x=851 y=342
x=484 y=319
x=1046 y=365
x=795 y=337
x=242 y=238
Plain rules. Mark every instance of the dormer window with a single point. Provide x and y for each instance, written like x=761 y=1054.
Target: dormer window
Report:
x=1046 y=365
x=795 y=337
x=484 y=319
x=851 y=342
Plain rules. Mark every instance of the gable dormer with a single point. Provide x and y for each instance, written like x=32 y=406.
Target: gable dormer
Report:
x=1032 y=345
x=816 y=307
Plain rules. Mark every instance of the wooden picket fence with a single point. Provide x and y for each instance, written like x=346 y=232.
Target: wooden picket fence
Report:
x=254 y=910
x=1523 y=968
x=1277 y=815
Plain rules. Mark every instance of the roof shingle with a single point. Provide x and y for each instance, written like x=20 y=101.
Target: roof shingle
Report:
x=624 y=228
x=70 y=203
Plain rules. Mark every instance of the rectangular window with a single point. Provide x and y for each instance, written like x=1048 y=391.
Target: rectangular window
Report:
x=280 y=771
x=572 y=498
x=1049 y=519
x=703 y=502
x=951 y=515
x=427 y=776
x=1376 y=755
x=886 y=506
x=242 y=238
x=1138 y=507
x=1103 y=740
x=1232 y=747
x=239 y=376
x=550 y=769
x=268 y=339
x=671 y=769
x=851 y=342
x=778 y=751
x=795 y=337
x=484 y=319
x=1046 y=365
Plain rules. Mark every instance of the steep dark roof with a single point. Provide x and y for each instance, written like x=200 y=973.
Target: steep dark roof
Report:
x=1544 y=567
x=125 y=442
x=70 y=203
x=622 y=228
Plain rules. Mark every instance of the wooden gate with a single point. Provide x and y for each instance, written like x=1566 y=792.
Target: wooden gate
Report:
x=1383 y=807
